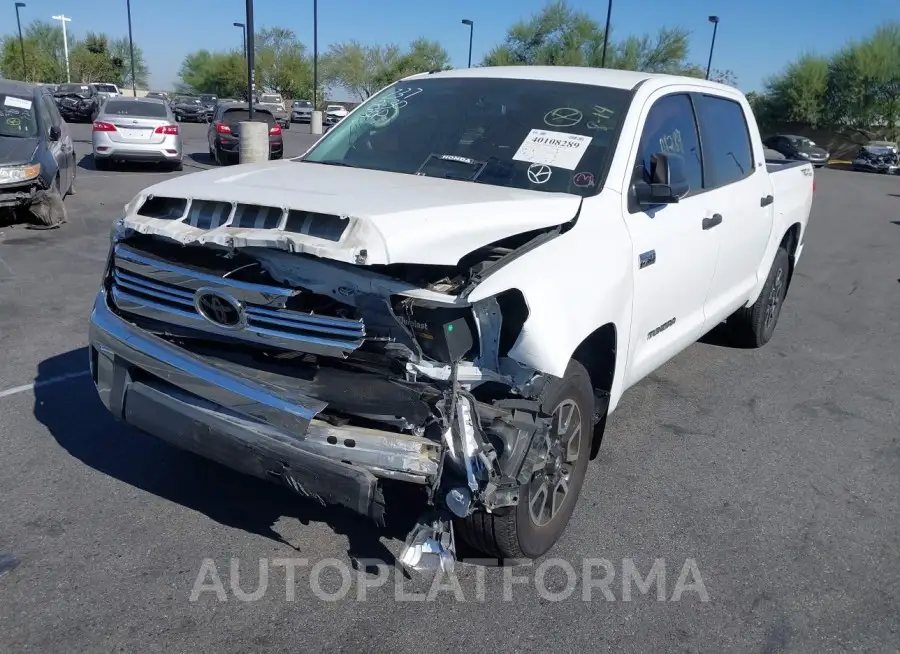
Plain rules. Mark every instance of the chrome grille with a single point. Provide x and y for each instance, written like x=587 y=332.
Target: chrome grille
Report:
x=152 y=288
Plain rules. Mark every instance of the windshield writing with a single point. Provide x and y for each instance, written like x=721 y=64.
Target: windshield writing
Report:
x=532 y=134
x=17 y=117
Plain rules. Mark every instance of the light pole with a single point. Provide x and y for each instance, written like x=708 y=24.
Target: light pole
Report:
x=131 y=48
x=21 y=42
x=65 y=19
x=250 y=58
x=471 y=24
x=606 y=34
x=315 y=56
x=243 y=36
x=715 y=21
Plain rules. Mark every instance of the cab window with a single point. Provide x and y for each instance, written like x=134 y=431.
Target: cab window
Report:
x=670 y=128
x=727 y=153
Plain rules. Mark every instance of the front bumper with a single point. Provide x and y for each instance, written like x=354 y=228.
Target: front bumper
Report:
x=20 y=195
x=237 y=417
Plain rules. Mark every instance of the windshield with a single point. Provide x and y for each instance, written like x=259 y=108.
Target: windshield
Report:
x=74 y=89
x=334 y=107
x=303 y=103
x=271 y=99
x=803 y=143
x=17 y=116
x=132 y=108
x=531 y=134
x=106 y=88
x=208 y=98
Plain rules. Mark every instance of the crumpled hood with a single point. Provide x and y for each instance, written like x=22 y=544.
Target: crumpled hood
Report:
x=391 y=217
x=15 y=150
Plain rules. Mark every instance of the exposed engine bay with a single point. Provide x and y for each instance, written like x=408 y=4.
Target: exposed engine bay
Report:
x=394 y=348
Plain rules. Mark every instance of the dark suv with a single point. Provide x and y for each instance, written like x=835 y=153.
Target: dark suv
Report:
x=224 y=132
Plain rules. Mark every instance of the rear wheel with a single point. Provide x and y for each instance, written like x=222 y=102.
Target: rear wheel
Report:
x=753 y=326
x=547 y=501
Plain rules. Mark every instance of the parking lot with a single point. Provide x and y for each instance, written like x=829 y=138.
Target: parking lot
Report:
x=776 y=471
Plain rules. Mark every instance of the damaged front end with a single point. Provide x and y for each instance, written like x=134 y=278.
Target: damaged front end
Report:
x=371 y=372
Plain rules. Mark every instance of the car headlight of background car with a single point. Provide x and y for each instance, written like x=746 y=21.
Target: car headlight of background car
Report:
x=16 y=174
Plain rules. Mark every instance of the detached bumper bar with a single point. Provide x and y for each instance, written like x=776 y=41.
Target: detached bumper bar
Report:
x=244 y=423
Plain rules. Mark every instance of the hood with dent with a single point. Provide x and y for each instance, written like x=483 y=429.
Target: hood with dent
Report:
x=393 y=217
x=15 y=150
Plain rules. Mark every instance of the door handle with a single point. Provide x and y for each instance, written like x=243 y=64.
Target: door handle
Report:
x=766 y=201
x=709 y=223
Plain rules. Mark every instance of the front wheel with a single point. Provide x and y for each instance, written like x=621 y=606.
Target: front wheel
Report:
x=547 y=501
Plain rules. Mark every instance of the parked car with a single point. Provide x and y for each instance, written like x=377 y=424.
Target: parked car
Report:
x=301 y=111
x=37 y=155
x=877 y=157
x=224 y=132
x=798 y=148
x=77 y=102
x=274 y=103
x=106 y=90
x=136 y=129
x=334 y=113
x=189 y=109
x=453 y=288
x=209 y=101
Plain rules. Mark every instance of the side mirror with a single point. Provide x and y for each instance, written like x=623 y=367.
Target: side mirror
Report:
x=55 y=133
x=668 y=181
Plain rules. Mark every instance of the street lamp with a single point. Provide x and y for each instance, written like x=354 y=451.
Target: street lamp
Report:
x=606 y=34
x=65 y=19
x=315 y=60
x=715 y=21
x=250 y=58
x=243 y=36
x=131 y=49
x=466 y=21
x=21 y=42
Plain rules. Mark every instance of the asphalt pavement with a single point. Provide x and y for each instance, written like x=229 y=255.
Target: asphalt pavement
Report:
x=762 y=487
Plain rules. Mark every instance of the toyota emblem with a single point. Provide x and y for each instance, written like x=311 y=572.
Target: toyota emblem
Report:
x=219 y=308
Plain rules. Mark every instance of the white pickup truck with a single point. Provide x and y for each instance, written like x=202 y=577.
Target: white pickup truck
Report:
x=453 y=289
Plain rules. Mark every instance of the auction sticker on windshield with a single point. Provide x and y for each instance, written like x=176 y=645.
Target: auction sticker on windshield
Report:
x=19 y=103
x=556 y=149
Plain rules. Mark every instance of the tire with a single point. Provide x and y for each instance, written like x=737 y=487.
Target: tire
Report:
x=515 y=533
x=753 y=326
x=71 y=190
x=218 y=157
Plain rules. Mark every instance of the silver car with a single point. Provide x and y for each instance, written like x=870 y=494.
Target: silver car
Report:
x=136 y=129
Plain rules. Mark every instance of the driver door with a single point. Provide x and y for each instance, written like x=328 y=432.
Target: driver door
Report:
x=674 y=256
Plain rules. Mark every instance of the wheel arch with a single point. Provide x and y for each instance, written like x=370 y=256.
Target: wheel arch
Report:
x=790 y=241
x=597 y=353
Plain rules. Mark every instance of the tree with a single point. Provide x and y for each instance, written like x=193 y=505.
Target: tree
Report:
x=281 y=63
x=797 y=95
x=365 y=69
x=43 y=53
x=561 y=36
x=221 y=73
x=92 y=59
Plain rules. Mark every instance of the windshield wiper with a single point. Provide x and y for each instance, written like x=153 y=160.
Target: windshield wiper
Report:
x=330 y=163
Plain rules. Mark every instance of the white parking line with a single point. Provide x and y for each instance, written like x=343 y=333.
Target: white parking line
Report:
x=43 y=382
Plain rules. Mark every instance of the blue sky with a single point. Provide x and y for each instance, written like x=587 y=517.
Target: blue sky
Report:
x=755 y=38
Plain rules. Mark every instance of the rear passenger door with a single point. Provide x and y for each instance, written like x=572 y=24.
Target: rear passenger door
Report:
x=738 y=197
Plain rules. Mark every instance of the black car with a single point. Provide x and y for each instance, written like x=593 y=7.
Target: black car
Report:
x=877 y=157
x=209 y=101
x=37 y=156
x=189 y=110
x=799 y=148
x=77 y=102
x=225 y=129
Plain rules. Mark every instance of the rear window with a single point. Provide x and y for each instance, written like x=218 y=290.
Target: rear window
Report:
x=78 y=89
x=271 y=99
x=128 y=108
x=727 y=153
x=239 y=115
